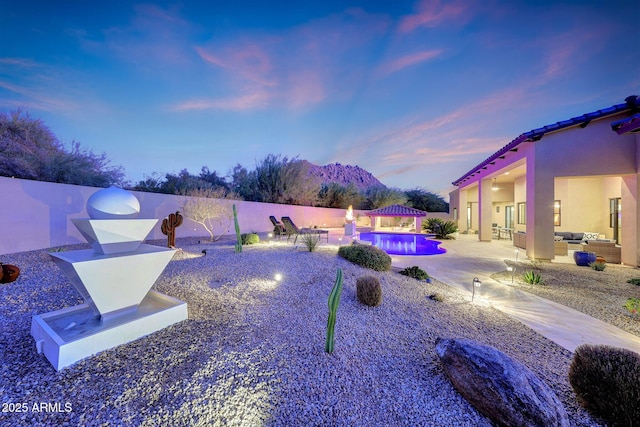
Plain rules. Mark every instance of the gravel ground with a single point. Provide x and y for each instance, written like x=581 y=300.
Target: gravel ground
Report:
x=600 y=294
x=252 y=351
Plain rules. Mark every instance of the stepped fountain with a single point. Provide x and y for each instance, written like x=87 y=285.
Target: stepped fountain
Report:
x=114 y=279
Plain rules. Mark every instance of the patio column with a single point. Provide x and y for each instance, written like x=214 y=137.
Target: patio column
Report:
x=418 y=220
x=462 y=210
x=484 y=210
x=540 y=196
x=630 y=220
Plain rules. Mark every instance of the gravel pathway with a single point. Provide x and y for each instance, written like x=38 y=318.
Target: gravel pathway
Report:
x=252 y=351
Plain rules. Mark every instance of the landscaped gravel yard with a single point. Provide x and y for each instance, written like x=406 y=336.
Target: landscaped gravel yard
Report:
x=252 y=351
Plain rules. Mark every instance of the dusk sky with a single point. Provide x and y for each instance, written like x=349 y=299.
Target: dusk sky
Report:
x=416 y=92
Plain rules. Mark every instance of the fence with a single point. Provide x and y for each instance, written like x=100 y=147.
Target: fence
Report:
x=37 y=215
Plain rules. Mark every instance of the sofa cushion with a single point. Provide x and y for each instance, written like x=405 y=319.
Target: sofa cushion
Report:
x=577 y=236
x=566 y=235
x=558 y=238
x=590 y=236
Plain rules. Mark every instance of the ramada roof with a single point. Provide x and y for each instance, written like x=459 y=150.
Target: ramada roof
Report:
x=396 y=210
x=632 y=103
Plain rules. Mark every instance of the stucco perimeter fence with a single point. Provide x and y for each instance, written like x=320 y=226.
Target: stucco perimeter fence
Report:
x=37 y=215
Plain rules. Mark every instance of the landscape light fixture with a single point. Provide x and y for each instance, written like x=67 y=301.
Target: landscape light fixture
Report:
x=517 y=251
x=476 y=284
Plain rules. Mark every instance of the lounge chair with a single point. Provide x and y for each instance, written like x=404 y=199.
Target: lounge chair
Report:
x=291 y=229
x=278 y=227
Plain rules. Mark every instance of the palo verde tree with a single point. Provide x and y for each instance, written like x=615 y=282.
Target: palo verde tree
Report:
x=211 y=208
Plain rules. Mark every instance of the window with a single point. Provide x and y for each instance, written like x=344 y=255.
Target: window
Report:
x=556 y=212
x=522 y=213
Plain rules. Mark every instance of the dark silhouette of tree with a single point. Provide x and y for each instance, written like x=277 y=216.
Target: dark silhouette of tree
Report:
x=29 y=150
x=426 y=201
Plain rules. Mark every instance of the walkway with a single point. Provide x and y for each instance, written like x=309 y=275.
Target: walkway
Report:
x=467 y=258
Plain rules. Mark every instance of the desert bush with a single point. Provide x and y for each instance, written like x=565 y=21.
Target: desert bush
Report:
x=598 y=266
x=250 y=238
x=533 y=278
x=415 y=272
x=436 y=297
x=632 y=305
x=369 y=291
x=634 y=281
x=366 y=256
x=311 y=241
x=605 y=380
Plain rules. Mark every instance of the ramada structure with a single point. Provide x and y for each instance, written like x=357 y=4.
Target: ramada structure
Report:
x=577 y=175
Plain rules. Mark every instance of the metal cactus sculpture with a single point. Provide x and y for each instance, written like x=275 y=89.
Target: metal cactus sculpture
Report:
x=334 y=302
x=238 y=236
x=169 y=226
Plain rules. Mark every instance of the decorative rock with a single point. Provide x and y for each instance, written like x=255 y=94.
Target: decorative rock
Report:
x=499 y=387
x=113 y=203
x=8 y=273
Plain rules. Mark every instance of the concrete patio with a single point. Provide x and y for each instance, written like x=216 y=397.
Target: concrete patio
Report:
x=467 y=258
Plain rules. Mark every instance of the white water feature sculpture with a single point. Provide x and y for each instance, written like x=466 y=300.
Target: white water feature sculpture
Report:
x=114 y=279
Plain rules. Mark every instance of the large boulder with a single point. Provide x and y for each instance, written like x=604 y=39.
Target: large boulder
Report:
x=499 y=387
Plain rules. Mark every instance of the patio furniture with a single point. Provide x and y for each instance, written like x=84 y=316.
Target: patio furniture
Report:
x=291 y=229
x=607 y=250
x=560 y=248
x=278 y=227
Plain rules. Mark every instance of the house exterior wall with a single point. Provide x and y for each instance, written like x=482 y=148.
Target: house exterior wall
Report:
x=583 y=167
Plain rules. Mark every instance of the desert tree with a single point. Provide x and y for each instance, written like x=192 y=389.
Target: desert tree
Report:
x=29 y=150
x=424 y=200
x=335 y=195
x=283 y=180
x=211 y=208
x=380 y=196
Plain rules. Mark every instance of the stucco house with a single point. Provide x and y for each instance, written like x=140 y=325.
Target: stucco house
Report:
x=577 y=175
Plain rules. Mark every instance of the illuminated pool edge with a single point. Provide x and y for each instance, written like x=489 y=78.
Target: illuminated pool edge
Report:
x=410 y=244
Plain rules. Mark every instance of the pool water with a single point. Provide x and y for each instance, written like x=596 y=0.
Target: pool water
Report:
x=403 y=243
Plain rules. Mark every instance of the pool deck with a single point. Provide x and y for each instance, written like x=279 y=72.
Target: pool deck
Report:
x=467 y=258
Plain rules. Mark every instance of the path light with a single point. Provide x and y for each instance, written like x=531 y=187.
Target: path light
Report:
x=476 y=283
x=277 y=277
x=513 y=271
x=517 y=251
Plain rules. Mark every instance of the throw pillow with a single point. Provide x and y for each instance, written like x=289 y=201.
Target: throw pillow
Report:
x=558 y=238
x=590 y=236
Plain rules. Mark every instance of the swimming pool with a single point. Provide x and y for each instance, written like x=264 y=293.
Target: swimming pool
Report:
x=404 y=243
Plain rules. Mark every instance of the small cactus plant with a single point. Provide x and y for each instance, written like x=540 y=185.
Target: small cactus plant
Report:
x=169 y=226
x=334 y=302
x=369 y=291
x=238 y=246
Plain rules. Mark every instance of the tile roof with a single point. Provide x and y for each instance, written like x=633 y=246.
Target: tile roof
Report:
x=632 y=103
x=396 y=210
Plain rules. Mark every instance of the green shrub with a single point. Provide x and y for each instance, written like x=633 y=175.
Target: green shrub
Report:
x=436 y=297
x=442 y=229
x=633 y=305
x=366 y=256
x=415 y=272
x=369 y=291
x=311 y=241
x=598 y=266
x=533 y=278
x=250 y=238
x=605 y=380
x=634 y=281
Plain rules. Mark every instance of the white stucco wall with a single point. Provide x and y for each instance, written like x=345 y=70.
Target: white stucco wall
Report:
x=37 y=215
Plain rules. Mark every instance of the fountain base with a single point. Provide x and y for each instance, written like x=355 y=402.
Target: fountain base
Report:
x=68 y=335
